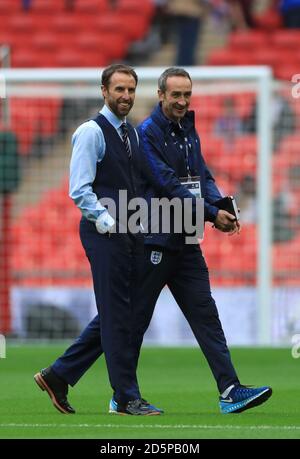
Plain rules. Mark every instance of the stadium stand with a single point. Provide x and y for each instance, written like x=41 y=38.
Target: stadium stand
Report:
x=277 y=48
x=45 y=251
x=30 y=33
x=93 y=34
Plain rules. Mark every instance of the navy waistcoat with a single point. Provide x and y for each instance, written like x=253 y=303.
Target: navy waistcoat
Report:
x=117 y=171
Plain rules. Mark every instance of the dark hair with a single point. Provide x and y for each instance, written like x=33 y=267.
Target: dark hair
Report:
x=122 y=68
x=171 y=71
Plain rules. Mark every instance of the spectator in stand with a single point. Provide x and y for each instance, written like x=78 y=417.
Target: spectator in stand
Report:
x=282 y=220
x=241 y=14
x=189 y=15
x=283 y=119
x=290 y=11
x=294 y=194
x=162 y=21
x=26 y=5
x=229 y=125
x=161 y=32
x=69 y=5
x=246 y=198
x=286 y=205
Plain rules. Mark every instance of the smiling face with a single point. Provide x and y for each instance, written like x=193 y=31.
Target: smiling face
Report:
x=176 y=98
x=120 y=93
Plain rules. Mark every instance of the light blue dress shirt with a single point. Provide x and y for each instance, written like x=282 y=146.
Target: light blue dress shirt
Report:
x=88 y=150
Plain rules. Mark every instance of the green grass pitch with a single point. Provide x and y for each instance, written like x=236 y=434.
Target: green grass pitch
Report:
x=175 y=379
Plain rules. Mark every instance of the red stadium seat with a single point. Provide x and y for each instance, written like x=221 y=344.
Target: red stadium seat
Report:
x=269 y=20
x=68 y=58
x=47 y=252
x=235 y=159
x=47 y=6
x=91 y=6
x=134 y=6
x=32 y=117
x=6 y=37
x=286 y=262
x=287 y=39
x=21 y=42
x=267 y=56
x=24 y=58
x=213 y=148
x=248 y=40
x=224 y=183
x=21 y=23
x=206 y=106
x=40 y=38
x=107 y=22
x=68 y=23
x=135 y=25
x=220 y=252
x=230 y=56
x=220 y=57
x=286 y=71
x=48 y=111
x=94 y=59
x=112 y=45
x=246 y=145
x=290 y=146
x=45 y=41
x=14 y=7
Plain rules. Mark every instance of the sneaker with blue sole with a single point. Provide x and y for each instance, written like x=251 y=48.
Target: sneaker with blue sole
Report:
x=139 y=407
x=241 y=398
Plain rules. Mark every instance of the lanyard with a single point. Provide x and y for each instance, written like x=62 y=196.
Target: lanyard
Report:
x=186 y=154
x=187 y=163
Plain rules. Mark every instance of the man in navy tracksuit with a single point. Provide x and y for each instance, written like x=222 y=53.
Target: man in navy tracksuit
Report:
x=171 y=155
x=290 y=10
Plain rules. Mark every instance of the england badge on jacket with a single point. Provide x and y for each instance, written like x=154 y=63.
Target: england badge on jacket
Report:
x=156 y=257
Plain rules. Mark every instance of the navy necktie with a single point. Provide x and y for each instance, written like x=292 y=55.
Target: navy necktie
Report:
x=126 y=139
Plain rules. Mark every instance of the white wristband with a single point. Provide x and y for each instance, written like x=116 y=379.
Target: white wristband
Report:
x=104 y=223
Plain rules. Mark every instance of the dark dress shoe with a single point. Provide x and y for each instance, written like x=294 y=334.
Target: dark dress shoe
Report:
x=57 y=389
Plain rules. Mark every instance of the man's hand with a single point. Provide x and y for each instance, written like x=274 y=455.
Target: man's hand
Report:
x=105 y=223
x=227 y=223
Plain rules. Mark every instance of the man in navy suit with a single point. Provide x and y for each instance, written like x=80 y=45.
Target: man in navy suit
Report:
x=105 y=160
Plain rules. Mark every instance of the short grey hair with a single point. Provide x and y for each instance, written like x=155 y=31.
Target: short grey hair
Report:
x=170 y=72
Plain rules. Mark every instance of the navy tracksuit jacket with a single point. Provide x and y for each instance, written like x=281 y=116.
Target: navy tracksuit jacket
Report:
x=169 y=151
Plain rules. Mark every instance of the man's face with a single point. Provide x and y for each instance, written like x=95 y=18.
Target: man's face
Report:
x=120 y=94
x=176 y=99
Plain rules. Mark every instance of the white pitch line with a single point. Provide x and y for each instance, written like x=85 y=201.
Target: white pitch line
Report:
x=159 y=426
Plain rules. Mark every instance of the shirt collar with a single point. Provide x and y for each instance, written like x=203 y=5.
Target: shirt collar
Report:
x=186 y=123
x=111 y=117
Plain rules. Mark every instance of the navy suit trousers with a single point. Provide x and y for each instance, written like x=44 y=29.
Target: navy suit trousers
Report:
x=186 y=274
x=116 y=266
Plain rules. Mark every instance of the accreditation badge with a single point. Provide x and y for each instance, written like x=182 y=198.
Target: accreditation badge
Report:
x=193 y=185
